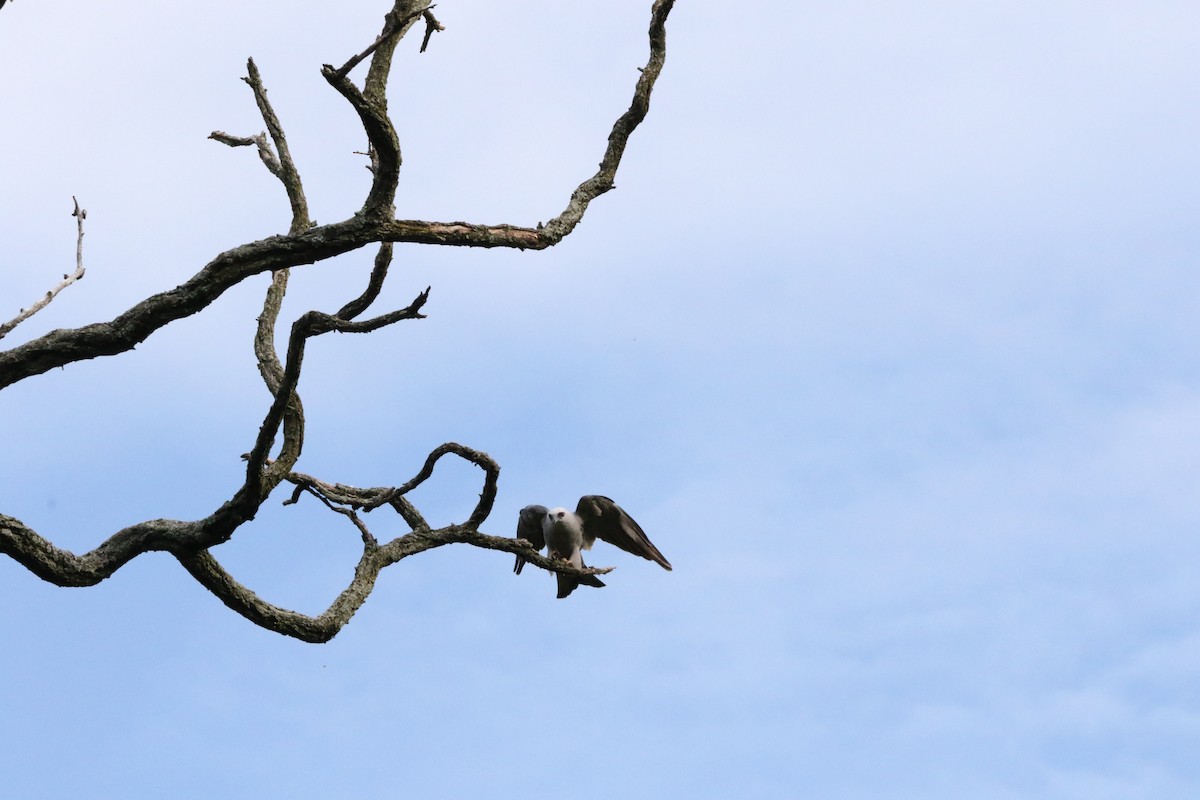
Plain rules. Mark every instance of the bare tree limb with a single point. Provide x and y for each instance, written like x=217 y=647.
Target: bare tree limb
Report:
x=618 y=138
x=307 y=243
x=62 y=347
x=211 y=575
x=80 y=215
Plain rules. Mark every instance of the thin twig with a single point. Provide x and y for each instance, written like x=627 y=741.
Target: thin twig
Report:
x=393 y=26
x=80 y=215
x=431 y=26
x=367 y=537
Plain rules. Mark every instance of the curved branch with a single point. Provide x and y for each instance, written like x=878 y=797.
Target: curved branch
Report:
x=306 y=243
x=205 y=568
x=64 y=568
x=384 y=144
x=212 y=576
x=602 y=181
x=383 y=260
x=480 y=459
x=274 y=376
x=371 y=106
x=372 y=498
x=61 y=347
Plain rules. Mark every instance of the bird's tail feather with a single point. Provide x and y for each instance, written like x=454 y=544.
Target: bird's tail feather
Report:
x=567 y=583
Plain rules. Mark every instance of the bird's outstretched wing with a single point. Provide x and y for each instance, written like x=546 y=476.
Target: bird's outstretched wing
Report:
x=604 y=519
x=529 y=527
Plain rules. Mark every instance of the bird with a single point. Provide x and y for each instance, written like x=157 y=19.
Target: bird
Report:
x=567 y=534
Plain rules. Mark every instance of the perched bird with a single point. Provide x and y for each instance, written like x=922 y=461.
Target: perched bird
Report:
x=567 y=534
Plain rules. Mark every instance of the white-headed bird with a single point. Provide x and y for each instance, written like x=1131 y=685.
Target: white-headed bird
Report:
x=566 y=535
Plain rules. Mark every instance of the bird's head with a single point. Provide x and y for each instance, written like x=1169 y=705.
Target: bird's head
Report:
x=533 y=513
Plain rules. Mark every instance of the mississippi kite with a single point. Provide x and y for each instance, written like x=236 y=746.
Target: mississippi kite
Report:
x=567 y=534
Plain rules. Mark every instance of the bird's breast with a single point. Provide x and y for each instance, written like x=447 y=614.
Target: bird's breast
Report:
x=564 y=537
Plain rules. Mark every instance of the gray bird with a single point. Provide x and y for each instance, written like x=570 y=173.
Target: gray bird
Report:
x=567 y=534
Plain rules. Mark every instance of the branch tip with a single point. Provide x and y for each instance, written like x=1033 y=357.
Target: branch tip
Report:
x=80 y=214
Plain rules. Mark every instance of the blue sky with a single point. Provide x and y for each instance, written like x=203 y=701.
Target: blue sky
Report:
x=888 y=338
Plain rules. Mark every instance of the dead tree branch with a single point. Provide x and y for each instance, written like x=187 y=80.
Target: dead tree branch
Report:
x=80 y=215
x=282 y=427
x=432 y=26
x=124 y=332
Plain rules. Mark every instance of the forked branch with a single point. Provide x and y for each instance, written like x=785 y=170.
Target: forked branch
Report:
x=278 y=445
